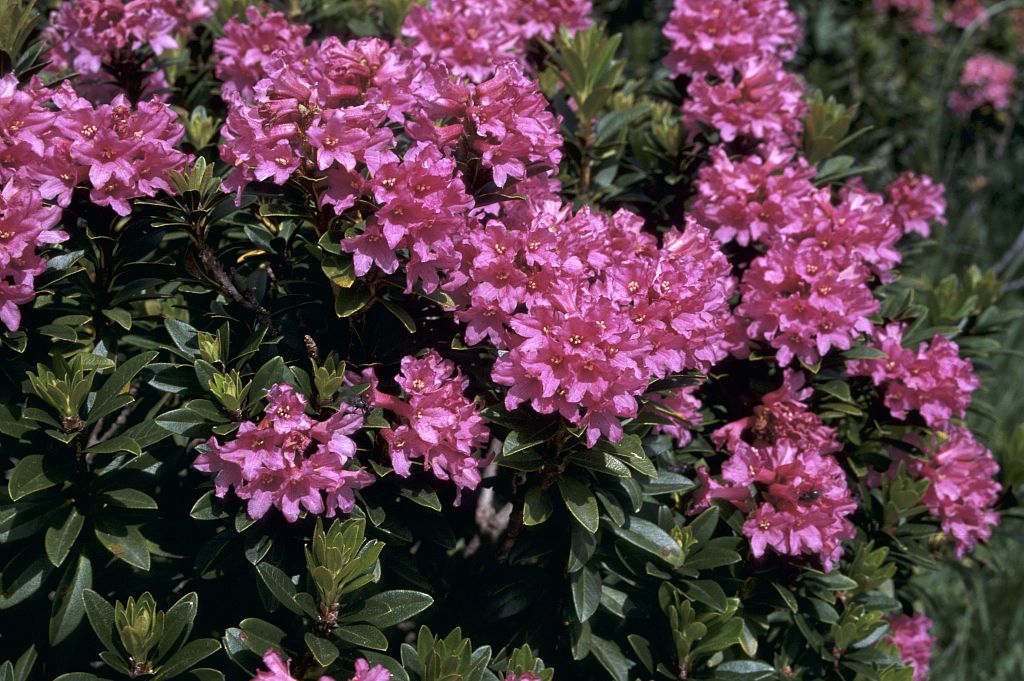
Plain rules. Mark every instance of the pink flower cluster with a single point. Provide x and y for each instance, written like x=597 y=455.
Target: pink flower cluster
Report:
x=917 y=201
x=962 y=13
x=124 y=151
x=25 y=225
x=290 y=460
x=472 y=37
x=591 y=309
x=329 y=113
x=53 y=140
x=810 y=290
x=713 y=36
x=933 y=380
x=911 y=635
x=963 y=490
x=986 y=80
x=782 y=415
x=735 y=51
x=279 y=669
x=86 y=34
x=783 y=450
x=246 y=47
x=921 y=13
x=801 y=503
x=439 y=425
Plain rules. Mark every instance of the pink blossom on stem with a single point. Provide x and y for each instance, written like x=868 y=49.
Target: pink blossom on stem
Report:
x=764 y=104
x=911 y=635
x=289 y=460
x=917 y=201
x=933 y=380
x=714 y=36
x=438 y=423
x=985 y=80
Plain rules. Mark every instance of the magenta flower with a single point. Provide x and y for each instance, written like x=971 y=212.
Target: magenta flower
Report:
x=985 y=80
x=782 y=415
x=911 y=635
x=934 y=381
x=245 y=47
x=962 y=13
x=279 y=669
x=801 y=502
x=963 y=489
x=765 y=104
x=917 y=202
x=715 y=36
x=753 y=198
x=438 y=424
x=289 y=460
x=681 y=409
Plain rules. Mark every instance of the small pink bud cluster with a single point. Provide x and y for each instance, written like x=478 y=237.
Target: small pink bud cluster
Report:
x=86 y=34
x=439 y=425
x=279 y=669
x=735 y=53
x=911 y=635
x=290 y=460
x=921 y=13
x=933 y=380
x=985 y=80
x=472 y=37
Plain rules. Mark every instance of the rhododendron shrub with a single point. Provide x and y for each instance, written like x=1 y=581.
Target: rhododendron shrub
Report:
x=474 y=341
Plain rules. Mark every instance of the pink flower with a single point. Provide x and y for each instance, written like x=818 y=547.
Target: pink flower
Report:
x=714 y=36
x=764 y=105
x=804 y=301
x=985 y=80
x=963 y=489
x=290 y=460
x=439 y=425
x=279 y=669
x=917 y=201
x=753 y=198
x=26 y=224
x=246 y=47
x=801 y=502
x=681 y=409
x=962 y=13
x=782 y=415
x=911 y=635
x=935 y=381
x=88 y=33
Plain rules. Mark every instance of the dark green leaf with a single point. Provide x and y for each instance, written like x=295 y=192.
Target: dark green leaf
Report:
x=279 y=585
x=363 y=636
x=586 y=592
x=324 y=652
x=187 y=657
x=101 y=617
x=580 y=501
x=35 y=473
x=391 y=607
x=68 y=606
x=60 y=538
x=125 y=543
